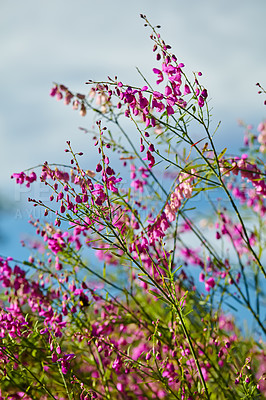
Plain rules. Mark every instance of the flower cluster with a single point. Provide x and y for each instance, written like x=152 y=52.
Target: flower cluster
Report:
x=125 y=293
x=22 y=178
x=262 y=136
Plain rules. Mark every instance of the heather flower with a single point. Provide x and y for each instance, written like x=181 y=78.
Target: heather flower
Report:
x=110 y=299
x=262 y=137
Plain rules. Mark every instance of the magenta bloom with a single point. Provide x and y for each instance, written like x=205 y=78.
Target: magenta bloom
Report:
x=201 y=101
x=209 y=283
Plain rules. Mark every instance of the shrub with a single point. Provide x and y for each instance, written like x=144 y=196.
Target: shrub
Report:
x=126 y=294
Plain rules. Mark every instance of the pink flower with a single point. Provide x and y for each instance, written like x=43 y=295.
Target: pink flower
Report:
x=209 y=283
x=204 y=93
x=160 y=75
x=150 y=158
x=187 y=90
x=201 y=277
x=201 y=101
x=170 y=214
x=170 y=110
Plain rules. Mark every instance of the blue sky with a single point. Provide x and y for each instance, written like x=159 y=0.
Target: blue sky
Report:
x=71 y=42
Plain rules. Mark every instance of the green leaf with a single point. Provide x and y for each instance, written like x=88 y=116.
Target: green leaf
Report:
x=206 y=188
x=116 y=255
x=230 y=306
x=187 y=313
x=145 y=280
x=28 y=263
x=177 y=269
x=222 y=153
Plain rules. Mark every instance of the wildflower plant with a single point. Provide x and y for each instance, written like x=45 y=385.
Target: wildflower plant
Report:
x=127 y=294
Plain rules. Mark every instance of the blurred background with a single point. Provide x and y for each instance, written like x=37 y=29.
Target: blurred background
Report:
x=70 y=42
